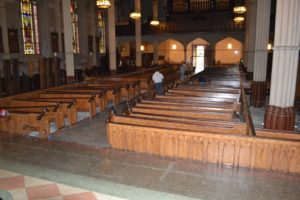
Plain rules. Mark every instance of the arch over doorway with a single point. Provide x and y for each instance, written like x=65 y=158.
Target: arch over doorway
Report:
x=228 y=51
x=196 y=53
x=171 y=51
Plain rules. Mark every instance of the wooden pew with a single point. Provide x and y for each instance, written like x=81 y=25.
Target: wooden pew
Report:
x=187 y=107
x=129 y=90
x=236 y=105
x=84 y=102
x=172 y=122
x=101 y=97
x=210 y=94
x=221 y=149
x=68 y=108
x=186 y=112
x=23 y=120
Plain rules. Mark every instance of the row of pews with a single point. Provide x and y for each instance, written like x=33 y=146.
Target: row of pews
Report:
x=211 y=124
x=37 y=111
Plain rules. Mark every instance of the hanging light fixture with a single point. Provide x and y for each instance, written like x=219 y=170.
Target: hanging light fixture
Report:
x=239 y=9
x=136 y=14
x=239 y=19
x=103 y=4
x=154 y=21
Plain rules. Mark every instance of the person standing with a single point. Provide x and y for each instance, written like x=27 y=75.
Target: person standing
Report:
x=182 y=71
x=157 y=78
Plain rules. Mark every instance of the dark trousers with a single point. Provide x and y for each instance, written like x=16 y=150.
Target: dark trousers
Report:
x=159 y=88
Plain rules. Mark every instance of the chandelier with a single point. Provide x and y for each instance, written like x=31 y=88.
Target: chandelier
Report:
x=103 y=3
x=239 y=9
x=154 y=22
x=135 y=15
x=239 y=19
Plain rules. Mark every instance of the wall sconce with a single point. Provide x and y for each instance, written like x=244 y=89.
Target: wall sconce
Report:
x=229 y=46
x=142 y=47
x=174 y=46
x=236 y=52
x=269 y=46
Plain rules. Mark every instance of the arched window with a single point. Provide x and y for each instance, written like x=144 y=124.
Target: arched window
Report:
x=101 y=27
x=30 y=27
x=74 y=18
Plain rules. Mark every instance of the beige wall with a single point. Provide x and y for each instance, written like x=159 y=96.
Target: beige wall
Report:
x=170 y=54
x=223 y=55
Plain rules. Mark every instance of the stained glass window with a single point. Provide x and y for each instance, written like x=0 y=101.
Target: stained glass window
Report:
x=101 y=26
x=30 y=27
x=75 y=33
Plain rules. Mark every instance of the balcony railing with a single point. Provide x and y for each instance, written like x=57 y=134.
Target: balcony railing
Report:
x=172 y=27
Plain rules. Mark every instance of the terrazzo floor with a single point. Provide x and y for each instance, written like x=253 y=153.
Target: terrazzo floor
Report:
x=79 y=157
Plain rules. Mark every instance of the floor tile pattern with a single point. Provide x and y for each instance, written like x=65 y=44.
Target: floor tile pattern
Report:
x=23 y=187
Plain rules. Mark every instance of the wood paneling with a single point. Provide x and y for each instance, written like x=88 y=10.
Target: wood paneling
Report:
x=230 y=150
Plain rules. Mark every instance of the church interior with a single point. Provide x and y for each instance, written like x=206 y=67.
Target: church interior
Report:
x=83 y=114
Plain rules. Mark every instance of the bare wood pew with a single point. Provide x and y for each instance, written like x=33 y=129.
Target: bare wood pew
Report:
x=24 y=120
x=84 y=102
x=149 y=104
x=129 y=90
x=184 y=103
x=210 y=94
x=193 y=97
x=172 y=122
x=134 y=85
x=236 y=105
x=186 y=112
x=68 y=107
x=222 y=149
x=101 y=100
x=195 y=87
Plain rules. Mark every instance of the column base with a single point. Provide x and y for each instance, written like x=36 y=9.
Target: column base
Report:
x=258 y=96
x=279 y=118
x=70 y=79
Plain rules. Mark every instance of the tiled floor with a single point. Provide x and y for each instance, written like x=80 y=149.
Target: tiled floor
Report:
x=20 y=187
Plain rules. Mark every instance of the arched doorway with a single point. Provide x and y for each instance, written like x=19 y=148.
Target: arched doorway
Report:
x=147 y=53
x=170 y=51
x=228 y=51
x=195 y=53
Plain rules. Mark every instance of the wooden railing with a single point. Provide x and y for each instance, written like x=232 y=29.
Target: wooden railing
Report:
x=245 y=113
x=172 y=27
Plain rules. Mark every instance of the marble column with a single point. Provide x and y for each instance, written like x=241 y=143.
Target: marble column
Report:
x=138 y=37
x=44 y=28
x=112 y=38
x=69 y=53
x=94 y=26
x=3 y=23
x=58 y=24
x=261 y=53
x=280 y=113
x=250 y=34
x=83 y=29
